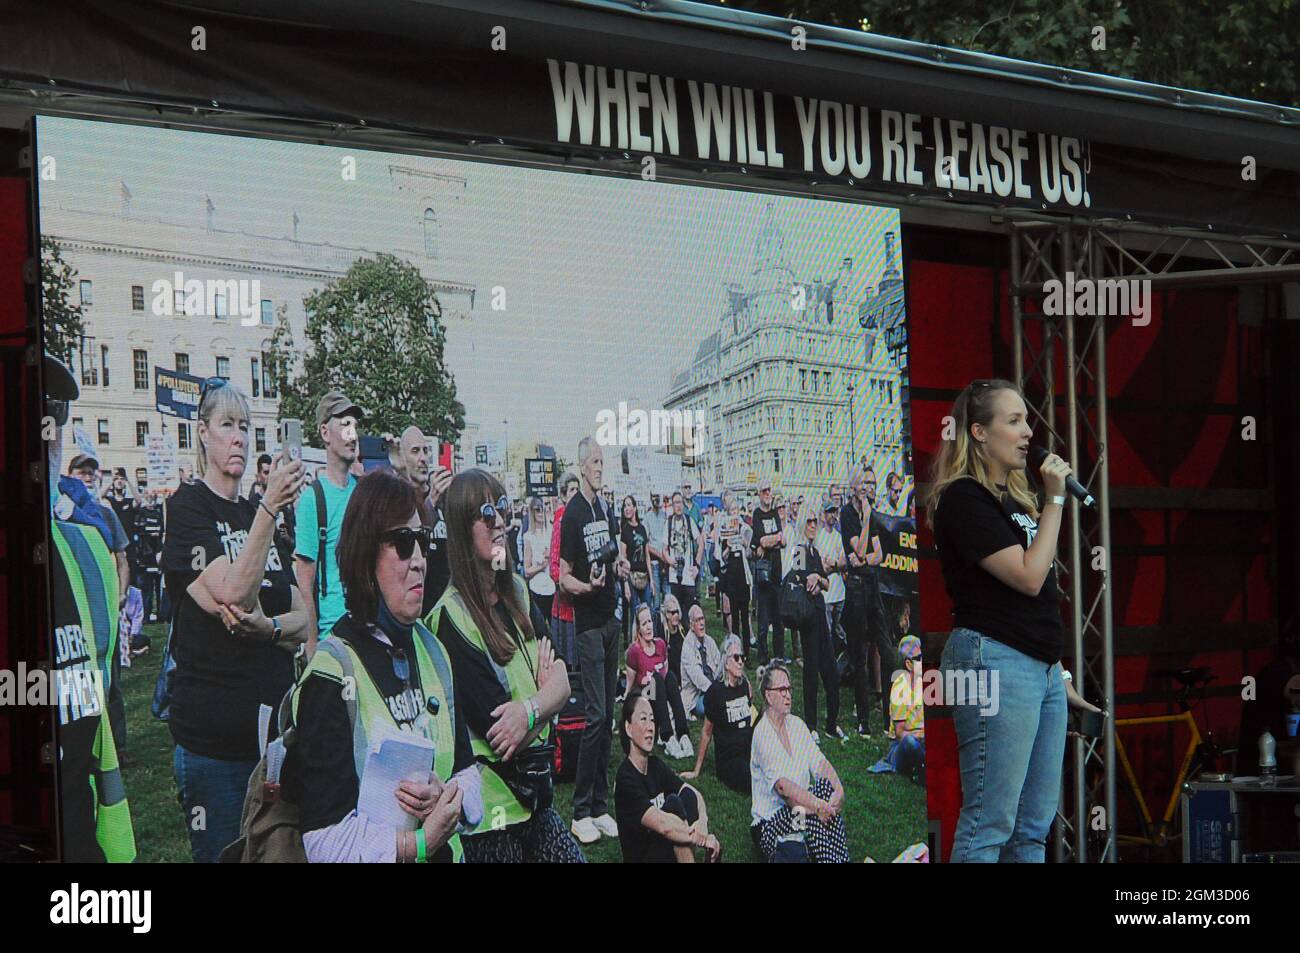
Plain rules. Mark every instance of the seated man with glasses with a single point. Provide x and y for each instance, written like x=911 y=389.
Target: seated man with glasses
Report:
x=797 y=796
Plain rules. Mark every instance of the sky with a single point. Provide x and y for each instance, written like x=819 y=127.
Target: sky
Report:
x=610 y=284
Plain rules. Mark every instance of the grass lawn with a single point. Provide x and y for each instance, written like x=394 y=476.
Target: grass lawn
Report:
x=884 y=813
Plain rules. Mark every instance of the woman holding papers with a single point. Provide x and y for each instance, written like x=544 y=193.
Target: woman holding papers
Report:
x=377 y=697
x=509 y=682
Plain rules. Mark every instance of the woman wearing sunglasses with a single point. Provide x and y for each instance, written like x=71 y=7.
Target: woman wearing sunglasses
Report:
x=509 y=682
x=238 y=618
x=729 y=720
x=672 y=629
x=401 y=686
x=797 y=796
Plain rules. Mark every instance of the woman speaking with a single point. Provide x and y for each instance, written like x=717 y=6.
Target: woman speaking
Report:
x=995 y=548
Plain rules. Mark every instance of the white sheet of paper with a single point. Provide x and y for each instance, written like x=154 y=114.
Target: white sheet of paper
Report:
x=274 y=760
x=394 y=757
x=263 y=727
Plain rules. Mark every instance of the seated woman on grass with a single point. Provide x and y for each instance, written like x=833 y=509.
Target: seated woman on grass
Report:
x=728 y=719
x=660 y=818
x=797 y=796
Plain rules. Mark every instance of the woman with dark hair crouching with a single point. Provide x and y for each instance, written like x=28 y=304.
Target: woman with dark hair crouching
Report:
x=509 y=682
x=402 y=688
x=661 y=819
x=995 y=548
x=797 y=796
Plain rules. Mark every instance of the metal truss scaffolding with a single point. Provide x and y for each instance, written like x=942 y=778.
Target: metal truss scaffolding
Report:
x=1060 y=364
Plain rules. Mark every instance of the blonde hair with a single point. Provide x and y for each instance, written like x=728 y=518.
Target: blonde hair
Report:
x=227 y=399
x=965 y=458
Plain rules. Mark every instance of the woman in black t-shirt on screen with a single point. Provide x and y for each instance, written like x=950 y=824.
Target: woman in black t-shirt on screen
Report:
x=661 y=819
x=995 y=548
x=239 y=619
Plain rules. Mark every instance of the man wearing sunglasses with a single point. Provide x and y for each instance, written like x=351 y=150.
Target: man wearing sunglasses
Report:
x=317 y=537
x=589 y=570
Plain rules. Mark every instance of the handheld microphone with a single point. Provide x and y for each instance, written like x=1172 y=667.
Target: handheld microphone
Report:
x=1072 y=486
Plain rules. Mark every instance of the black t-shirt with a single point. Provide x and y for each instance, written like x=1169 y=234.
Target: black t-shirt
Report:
x=148 y=532
x=635 y=538
x=971 y=523
x=478 y=690
x=766 y=523
x=78 y=708
x=584 y=529
x=221 y=679
x=851 y=526
x=437 y=571
x=124 y=507
x=634 y=794
x=733 y=731
x=320 y=773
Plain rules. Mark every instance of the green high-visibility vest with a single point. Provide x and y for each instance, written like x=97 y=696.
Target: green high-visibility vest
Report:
x=500 y=806
x=373 y=714
x=89 y=577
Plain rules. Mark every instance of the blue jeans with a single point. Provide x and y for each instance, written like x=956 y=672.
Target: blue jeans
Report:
x=218 y=788
x=1011 y=745
x=697 y=709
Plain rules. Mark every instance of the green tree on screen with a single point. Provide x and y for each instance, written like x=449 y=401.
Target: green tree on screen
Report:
x=60 y=307
x=377 y=334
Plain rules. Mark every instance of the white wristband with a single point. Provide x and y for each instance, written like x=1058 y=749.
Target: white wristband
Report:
x=1060 y=500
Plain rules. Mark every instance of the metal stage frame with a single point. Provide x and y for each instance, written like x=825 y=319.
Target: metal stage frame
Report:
x=1073 y=412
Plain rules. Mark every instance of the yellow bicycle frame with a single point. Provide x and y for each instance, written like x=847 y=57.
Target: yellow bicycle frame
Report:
x=1160 y=831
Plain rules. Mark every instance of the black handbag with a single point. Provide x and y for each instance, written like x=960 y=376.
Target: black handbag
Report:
x=530 y=776
x=797 y=607
x=762 y=567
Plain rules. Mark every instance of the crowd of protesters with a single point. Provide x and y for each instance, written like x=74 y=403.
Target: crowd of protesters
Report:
x=471 y=620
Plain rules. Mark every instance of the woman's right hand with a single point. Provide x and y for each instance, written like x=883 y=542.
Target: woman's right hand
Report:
x=440 y=823
x=1053 y=473
x=418 y=799
x=283 y=484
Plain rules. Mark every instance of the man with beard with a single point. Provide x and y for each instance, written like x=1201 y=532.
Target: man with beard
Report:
x=318 y=517
x=412 y=457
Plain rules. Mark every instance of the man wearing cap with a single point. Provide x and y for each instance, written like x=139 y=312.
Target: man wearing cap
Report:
x=318 y=517
x=906 y=715
x=84 y=469
x=94 y=815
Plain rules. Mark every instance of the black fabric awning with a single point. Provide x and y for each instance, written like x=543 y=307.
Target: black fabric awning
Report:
x=492 y=70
